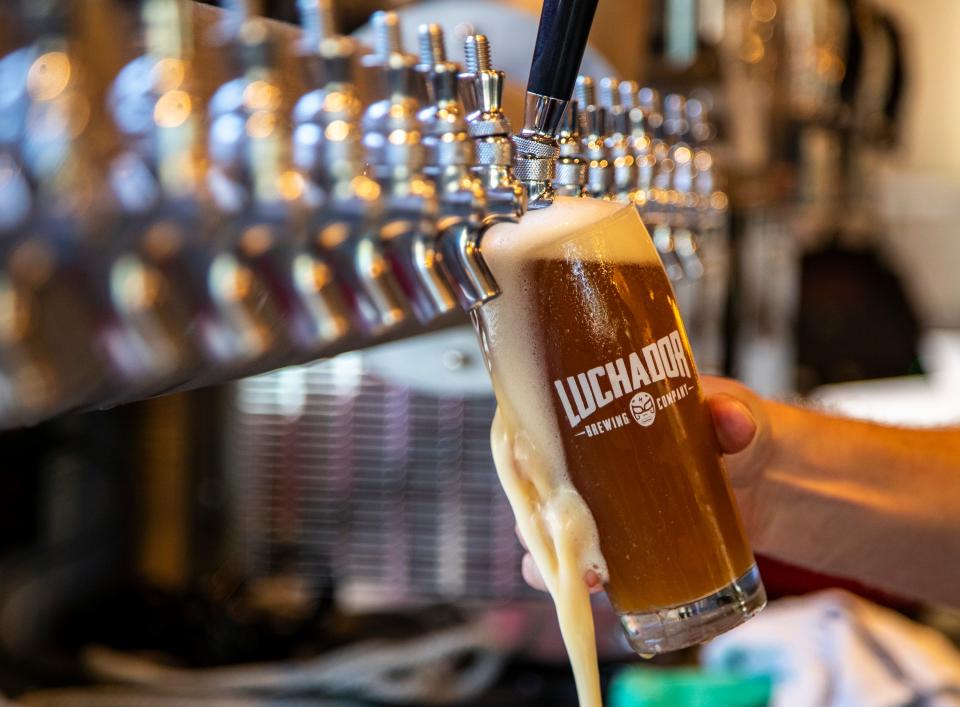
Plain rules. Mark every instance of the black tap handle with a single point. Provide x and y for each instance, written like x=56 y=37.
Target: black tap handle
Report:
x=561 y=40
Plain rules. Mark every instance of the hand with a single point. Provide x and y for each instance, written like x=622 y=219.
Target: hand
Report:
x=743 y=432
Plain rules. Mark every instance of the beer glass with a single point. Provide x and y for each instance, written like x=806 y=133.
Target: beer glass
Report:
x=587 y=350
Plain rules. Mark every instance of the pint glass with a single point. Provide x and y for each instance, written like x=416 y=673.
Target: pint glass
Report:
x=586 y=346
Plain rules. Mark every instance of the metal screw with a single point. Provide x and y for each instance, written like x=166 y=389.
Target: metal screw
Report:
x=243 y=8
x=628 y=93
x=608 y=92
x=584 y=92
x=476 y=49
x=432 y=49
x=386 y=34
x=317 y=19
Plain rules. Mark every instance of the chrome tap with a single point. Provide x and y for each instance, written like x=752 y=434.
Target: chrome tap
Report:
x=158 y=273
x=343 y=226
x=641 y=143
x=488 y=125
x=450 y=157
x=396 y=154
x=557 y=54
x=571 y=170
x=59 y=338
x=265 y=279
x=683 y=198
x=595 y=149
x=618 y=143
x=490 y=129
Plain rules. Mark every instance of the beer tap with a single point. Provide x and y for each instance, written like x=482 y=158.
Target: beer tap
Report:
x=58 y=335
x=158 y=274
x=266 y=279
x=396 y=154
x=618 y=141
x=450 y=157
x=681 y=205
x=571 y=170
x=343 y=226
x=659 y=212
x=596 y=151
x=489 y=127
x=641 y=144
x=648 y=100
x=476 y=50
x=561 y=41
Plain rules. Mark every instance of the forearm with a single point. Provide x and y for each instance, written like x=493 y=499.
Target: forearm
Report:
x=873 y=503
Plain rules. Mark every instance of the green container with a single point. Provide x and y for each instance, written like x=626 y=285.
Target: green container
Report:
x=688 y=687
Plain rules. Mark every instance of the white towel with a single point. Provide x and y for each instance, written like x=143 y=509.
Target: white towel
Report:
x=834 y=649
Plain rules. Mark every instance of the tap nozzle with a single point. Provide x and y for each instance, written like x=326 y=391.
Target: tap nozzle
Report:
x=462 y=199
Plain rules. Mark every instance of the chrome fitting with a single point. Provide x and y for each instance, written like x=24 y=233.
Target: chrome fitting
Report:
x=395 y=151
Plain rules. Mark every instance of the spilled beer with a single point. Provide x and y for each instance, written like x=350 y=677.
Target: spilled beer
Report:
x=603 y=440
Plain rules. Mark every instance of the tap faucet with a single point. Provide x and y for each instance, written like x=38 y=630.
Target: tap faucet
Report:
x=396 y=154
x=571 y=169
x=450 y=159
x=490 y=129
x=265 y=279
x=158 y=277
x=624 y=187
x=61 y=343
x=595 y=148
x=327 y=148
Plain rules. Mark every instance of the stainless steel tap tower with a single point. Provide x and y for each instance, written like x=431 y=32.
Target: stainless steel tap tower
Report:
x=296 y=224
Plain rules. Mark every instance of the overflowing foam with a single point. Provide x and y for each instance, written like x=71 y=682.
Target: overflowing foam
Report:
x=553 y=518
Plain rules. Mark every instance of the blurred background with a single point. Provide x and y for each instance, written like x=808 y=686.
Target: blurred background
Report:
x=334 y=532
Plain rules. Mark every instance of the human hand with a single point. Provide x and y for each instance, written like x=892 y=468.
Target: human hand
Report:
x=743 y=433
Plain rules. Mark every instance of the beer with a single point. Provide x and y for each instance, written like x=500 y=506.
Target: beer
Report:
x=602 y=439
x=646 y=461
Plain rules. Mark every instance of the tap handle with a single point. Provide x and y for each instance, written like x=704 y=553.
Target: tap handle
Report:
x=561 y=40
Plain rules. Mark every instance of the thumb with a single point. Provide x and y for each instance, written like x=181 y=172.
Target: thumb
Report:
x=734 y=423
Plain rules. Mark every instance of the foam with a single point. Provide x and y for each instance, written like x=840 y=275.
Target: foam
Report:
x=554 y=519
x=571 y=227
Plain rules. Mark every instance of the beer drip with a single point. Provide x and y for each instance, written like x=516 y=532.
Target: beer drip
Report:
x=181 y=259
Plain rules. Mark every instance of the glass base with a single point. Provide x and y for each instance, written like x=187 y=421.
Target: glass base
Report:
x=687 y=625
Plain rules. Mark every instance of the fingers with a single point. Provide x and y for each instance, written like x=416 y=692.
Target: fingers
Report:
x=733 y=422
x=532 y=576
